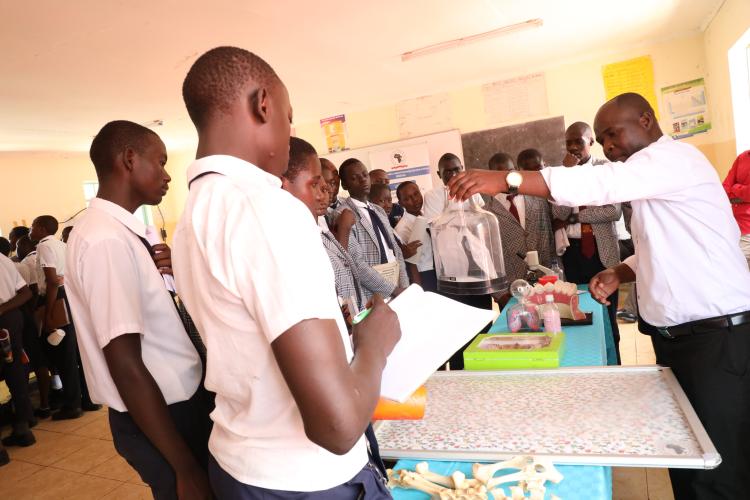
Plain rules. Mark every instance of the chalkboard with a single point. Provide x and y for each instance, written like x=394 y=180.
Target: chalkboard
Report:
x=548 y=136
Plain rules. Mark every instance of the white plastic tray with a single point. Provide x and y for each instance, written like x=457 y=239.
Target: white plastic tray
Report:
x=610 y=416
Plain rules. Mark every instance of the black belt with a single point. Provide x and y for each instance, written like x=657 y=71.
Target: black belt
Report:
x=697 y=327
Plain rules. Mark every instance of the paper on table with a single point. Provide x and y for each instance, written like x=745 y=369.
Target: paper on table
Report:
x=433 y=327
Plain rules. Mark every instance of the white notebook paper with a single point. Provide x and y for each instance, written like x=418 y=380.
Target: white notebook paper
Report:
x=432 y=329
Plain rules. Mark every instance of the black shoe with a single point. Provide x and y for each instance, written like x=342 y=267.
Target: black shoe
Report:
x=4 y=458
x=23 y=440
x=626 y=317
x=67 y=414
x=91 y=406
x=33 y=422
x=42 y=413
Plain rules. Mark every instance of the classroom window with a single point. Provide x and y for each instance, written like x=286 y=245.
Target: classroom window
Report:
x=143 y=213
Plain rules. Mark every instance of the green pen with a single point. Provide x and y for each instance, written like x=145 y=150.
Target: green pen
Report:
x=363 y=314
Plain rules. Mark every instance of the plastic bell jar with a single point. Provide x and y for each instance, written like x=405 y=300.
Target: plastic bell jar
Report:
x=467 y=249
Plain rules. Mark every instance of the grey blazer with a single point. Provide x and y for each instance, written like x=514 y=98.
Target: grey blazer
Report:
x=363 y=240
x=602 y=220
x=516 y=240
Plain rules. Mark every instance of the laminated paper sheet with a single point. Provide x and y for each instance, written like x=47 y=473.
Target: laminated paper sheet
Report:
x=616 y=416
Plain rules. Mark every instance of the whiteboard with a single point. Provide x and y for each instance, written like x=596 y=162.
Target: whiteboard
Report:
x=437 y=145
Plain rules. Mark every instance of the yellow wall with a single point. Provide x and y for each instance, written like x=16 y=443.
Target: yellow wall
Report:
x=51 y=182
x=729 y=24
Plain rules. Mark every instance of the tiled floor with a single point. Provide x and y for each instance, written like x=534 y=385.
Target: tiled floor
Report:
x=71 y=459
x=75 y=459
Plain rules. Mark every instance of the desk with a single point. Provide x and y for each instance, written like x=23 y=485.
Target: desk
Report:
x=586 y=345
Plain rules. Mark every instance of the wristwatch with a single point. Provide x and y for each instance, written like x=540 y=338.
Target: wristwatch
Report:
x=514 y=180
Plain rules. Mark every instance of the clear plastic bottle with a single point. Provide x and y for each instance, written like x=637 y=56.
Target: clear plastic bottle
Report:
x=555 y=267
x=551 y=315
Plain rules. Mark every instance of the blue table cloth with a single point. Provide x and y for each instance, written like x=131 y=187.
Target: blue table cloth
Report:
x=579 y=483
x=585 y=345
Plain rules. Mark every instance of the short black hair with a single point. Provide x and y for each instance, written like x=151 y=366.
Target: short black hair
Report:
x=378 y=170
x=326 y=163
x=402 y=186
x=48 y=223
x=5 y=247
x=499 y=158
x=19 y=232
x=218 y=77
x=347 y=165
x=377 y=189
x=634 y=101
x=113 y=139
x=528 y=154
x=448 y=157
x=299 y=152
x=24 y=246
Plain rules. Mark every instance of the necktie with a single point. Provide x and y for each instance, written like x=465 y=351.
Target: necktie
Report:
x=380 y=234
x=513 y=209
x=588 y=242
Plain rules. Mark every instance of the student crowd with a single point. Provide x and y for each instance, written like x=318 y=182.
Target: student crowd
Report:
x=272 y=264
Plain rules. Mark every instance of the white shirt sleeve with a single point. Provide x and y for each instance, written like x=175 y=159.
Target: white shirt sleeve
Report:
x=46 y=256
x=655 y=173
x=282 y=270
x=111 y=287
x=434 y=203
x=25 y=272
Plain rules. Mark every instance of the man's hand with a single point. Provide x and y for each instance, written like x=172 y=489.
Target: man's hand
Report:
x=345 y=220
x=193 y=485
x=603 y=285
x=379 y=330
x=466 y=184
x=162 y=258
x=570 y=160
x=410 y=249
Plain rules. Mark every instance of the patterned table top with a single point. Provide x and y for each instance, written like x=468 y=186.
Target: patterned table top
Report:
x=601 y=416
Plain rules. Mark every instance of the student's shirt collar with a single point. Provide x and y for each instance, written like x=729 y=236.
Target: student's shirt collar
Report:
x=232 y=167
x=360 y=204
x=126 y=218
x=49 y=237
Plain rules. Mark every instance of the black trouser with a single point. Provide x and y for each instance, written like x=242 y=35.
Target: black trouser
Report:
x=15 y=374
x=64 y=356
x=580 y=270
x=479 y=301
x=712 y=369
x=191 y=420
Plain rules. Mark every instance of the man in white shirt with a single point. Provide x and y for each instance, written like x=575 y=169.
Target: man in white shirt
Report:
x=136 y=353
x=413 y=229
x=292 y=402
x=14 y=293
x=693 y=281
x=56 y=314
x=436 y=198
x=591 y=232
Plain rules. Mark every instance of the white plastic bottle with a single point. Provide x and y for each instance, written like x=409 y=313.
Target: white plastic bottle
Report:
x=551 y=315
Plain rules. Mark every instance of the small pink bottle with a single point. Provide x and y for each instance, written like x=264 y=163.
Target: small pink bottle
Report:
x=551 y=315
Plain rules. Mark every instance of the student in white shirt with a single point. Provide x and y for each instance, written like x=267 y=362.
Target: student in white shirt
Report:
x=693 y=281
x=14 y=235
x=136 y=353
x=14 y=293
x=34 y=345
x=64 y=356
x=412 y=229
x=292 y=402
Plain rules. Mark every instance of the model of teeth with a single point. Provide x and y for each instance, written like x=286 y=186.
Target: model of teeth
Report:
x=566 y=298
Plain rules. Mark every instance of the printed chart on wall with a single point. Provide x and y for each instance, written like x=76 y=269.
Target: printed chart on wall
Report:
x=633 y=75
x=686 y=108
x=516 y=98
x=334 y=130
x=404 y=163
x=424 y=115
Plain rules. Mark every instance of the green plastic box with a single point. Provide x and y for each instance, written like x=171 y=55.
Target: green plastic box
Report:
x=485 y=352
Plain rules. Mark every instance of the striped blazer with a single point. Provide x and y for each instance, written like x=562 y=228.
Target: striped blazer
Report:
x=517 y=241
x=363 y=239
x=602 y=220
